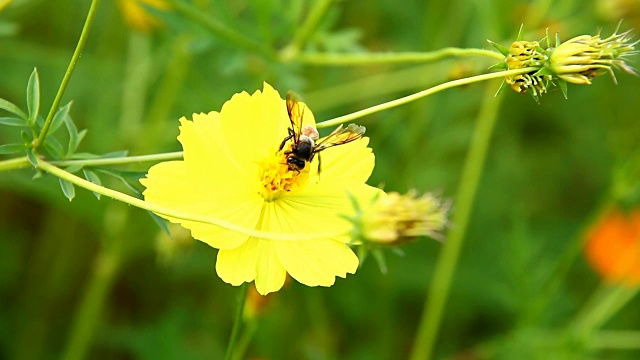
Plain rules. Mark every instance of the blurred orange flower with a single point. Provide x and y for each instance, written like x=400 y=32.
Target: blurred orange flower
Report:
x=613 y=247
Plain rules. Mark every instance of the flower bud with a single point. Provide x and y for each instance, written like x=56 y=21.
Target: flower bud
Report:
x=396 y=218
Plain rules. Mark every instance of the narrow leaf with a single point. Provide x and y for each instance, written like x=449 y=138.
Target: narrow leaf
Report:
x=563 y=86
x=115 y=154
x=59 y=117
x=10 y=107
x=33 y=96
x=67 y=189
x=81 y=136
x=74 y=168
x=503 y=50
x=520 y=32
x=502 y=86
x=11 y=148
x=33 y=159
x=162 y=223
x=73 y=135
x=129 y=178
x=53 y=148
x=94 y=178
x=378 y=255
x=13 y=121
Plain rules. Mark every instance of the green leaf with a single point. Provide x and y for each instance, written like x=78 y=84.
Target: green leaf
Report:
x=53 y=148
x=26 y=137
x=114 y=154
x=503 y=50
x=129 y=178
x=13 y=121
x=520 y=32
x=33 y=159
x=544 y=71
x=59 y=117
x=498 y=66
x=162 y=223
x=90 y=156
x=563 y=86
x=81 y=136
x=67 y=189
x=12 y=148
x=74 y=168
x=10 y=107
x=94 y=178
x=73 y=135
x=378 y=255
x=503 y=84
x=33 y=96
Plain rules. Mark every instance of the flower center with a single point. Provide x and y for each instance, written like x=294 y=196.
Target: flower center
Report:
x=276 y=178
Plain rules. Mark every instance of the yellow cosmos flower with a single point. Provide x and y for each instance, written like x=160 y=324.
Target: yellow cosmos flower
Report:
x=232 y=170
x=138 y=17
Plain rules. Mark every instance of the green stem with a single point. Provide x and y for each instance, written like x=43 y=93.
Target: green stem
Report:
x=237 y=322
x=605 y=302
x=316 y=14
x=421 y=94
x=337 y=59
x=619 y=340
x=245 y=339
x=167 y=212
x=88 y=313
x=134 y=88
x=220 y=30
x=67 y=76
x=447 y=261
x=14 y=164
x=120 y=160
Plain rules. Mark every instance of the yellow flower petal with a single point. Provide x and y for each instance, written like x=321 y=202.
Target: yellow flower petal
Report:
x=208 y=157
x=309 y=210
x=255 y=125
x=344 y=165
x=171 y=184
x=254 y=260
x=316 y=262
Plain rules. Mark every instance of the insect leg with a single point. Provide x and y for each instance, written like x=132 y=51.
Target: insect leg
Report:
x=291 y=135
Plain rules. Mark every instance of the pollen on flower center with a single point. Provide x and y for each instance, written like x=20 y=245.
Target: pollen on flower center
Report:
x=276 y=178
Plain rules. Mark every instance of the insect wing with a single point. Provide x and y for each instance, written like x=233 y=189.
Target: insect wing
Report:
x=340 y=136
x=295 y=109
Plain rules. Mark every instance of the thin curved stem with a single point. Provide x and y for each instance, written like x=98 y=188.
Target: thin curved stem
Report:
x=337 y=59
x=67 y=76
x=167 y=212
x=237 y=322
x=602 y=305
x=421 y=94
x=120 y=160
x=14 y=164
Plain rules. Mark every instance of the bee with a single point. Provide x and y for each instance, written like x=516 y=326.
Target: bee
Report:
x=305 y=144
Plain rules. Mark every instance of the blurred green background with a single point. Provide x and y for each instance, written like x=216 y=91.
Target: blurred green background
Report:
x=153 y=297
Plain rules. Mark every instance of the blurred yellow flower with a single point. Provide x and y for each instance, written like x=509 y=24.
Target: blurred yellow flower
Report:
x=138 y=17
x=232 y=170
x=613 y=247
x=4 y=4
